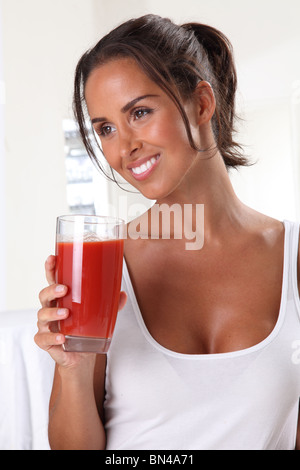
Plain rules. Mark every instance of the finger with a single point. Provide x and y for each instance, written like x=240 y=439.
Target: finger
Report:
x=122 y=300
x=52 y=343
x=50 y=293
x=47 y=340
x=48 y=315
x=50 y=269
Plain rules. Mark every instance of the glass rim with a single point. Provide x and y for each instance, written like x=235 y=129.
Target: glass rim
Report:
x=91 y=219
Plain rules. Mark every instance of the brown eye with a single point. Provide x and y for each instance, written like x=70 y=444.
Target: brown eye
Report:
x=105 y=130
x=140 y=113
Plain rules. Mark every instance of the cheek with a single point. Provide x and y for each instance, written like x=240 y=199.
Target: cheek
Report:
x=110 y=151
x=168 y=134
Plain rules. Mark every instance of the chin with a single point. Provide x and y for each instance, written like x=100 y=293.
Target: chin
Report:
x=151 y=195
x=158 y=196
x=157 y=189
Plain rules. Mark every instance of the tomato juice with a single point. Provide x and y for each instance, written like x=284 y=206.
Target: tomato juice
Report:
x=92 y=271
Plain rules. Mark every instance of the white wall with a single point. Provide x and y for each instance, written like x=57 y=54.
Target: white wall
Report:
x=2 y=184
x=42 y=41
x=270 y=184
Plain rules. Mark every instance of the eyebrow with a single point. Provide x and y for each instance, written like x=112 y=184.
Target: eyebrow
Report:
x=126 y=107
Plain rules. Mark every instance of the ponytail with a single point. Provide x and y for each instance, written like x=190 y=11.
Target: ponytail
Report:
x=222 y=76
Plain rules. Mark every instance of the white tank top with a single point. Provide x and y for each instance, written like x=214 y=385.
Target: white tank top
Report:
x=248 y=399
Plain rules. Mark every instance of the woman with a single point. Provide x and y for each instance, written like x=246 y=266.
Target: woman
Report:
x=204 y=354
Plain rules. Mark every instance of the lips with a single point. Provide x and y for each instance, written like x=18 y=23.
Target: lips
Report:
x=142 y=168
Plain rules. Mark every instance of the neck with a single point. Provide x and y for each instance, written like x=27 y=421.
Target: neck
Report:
x=208 y=184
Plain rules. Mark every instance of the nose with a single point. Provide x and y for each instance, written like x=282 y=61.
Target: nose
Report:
x=129 y=143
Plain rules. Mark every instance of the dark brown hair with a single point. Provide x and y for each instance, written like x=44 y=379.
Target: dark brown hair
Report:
x=176 y=58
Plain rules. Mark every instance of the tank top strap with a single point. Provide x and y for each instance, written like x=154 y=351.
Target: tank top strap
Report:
x=292 y=246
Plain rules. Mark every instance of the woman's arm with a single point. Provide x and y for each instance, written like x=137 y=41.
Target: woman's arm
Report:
x=76 y=405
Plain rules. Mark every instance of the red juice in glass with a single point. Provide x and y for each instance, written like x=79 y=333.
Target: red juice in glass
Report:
x=92 y=271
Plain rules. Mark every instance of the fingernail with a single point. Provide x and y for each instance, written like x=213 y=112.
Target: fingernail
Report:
x=58 y=338
x=62 y=311
x=59 y=288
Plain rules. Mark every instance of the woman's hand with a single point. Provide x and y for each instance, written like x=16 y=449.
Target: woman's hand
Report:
x=48 y=336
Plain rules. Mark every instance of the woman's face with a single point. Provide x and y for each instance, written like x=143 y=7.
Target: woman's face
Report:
x=142 y=133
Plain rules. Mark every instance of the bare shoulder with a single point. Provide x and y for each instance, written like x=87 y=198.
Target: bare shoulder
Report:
x=269 y=225
x=265 y=231
x=273 y=231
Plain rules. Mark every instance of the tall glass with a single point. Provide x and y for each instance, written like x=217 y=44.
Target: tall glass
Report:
x=89 y=258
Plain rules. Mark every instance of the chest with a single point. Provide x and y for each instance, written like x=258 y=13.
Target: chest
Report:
x=210 y=302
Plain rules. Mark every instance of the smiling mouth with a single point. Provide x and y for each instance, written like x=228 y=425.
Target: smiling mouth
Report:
x=145 y=168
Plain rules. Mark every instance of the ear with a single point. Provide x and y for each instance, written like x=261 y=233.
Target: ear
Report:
x=206 y=103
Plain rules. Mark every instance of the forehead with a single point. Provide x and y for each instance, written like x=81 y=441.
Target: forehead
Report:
x=122 y=78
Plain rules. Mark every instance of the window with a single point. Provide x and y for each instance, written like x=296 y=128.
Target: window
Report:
x=79 y=172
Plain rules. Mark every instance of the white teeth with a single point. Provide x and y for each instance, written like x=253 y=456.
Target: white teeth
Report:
x=145 y=166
